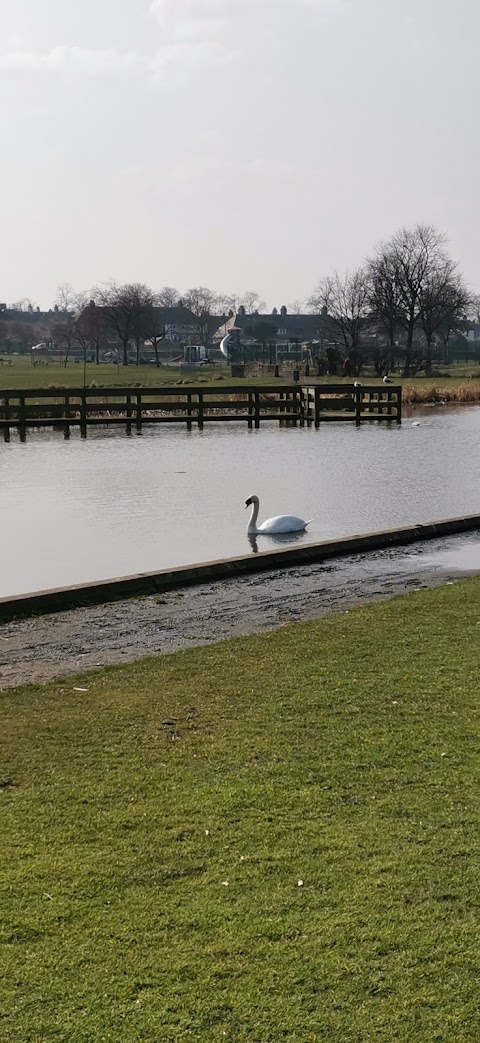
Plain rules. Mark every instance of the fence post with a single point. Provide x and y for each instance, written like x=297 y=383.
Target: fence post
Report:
x=389 y=404
x=66 y=429
x=317 y=407
x=6 y=414
x=139 y=414
x=358 y=406
x=295 y=407
x=83 y=415
x=250 y=410
x=200 y=410
x=257 y=409
x=189 y=411
x=22 y=416
x=128 y=402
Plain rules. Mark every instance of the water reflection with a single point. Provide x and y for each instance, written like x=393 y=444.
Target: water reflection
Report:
x=279 y=539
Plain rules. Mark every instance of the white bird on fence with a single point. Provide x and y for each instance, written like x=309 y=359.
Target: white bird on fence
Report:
x=281 y=523
x=357 y=384
x=386 y=380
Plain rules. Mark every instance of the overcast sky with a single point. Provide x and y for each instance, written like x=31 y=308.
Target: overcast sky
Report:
x=239 y=144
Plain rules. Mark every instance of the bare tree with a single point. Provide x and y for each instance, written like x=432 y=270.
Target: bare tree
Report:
x=89 y=325
x=82 y=336
x=26 y=305
x=20 y=336
x=444 y=299
x=228 y=303
x=232 y=302
x=252 y=302
x=295 y=308
x=202 y=303
x=63 y=335
x=321 y=300
x=409 y=261
x=168 y=297
x=124 y=309
x=349 y=305
x=66 y=299
x=474 y=307
x=154 y=329
x=384 y=295
x=90 y=328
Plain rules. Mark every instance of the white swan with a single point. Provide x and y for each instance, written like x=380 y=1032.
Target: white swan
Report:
x=282 y=523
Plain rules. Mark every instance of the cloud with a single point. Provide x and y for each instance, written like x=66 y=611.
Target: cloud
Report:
x=77 y=60
x=192 y=28
x=171 y=62
x=193 y=35
x=187 y=19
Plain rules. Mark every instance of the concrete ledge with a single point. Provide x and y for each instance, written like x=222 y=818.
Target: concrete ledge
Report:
x=61 y=598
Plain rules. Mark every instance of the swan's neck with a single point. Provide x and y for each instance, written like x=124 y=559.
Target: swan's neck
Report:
x=252 y=525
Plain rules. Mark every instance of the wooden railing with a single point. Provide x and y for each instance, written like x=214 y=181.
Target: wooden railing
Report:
x=133 y=407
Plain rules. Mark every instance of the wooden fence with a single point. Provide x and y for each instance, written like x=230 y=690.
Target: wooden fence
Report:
x=133 y=407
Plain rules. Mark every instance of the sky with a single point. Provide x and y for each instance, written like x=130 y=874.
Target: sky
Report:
x=237 y=144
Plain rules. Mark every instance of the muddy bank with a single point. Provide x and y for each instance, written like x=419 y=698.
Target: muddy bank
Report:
x=62 y=644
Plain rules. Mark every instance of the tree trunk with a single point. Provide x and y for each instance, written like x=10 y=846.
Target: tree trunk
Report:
x=155 y=345
x=97 y=353
x=428 y=354
x=408 y=348
x=125 y=352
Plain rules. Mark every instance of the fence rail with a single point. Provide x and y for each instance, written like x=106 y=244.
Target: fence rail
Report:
x=133 y=407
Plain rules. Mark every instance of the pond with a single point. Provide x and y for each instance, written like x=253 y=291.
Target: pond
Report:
x=80 y=511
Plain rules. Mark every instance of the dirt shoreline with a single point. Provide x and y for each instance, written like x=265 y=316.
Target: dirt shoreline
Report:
x=66 y=643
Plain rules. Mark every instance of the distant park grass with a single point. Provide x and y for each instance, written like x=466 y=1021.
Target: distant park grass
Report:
x=21 y=374
x=273 y=839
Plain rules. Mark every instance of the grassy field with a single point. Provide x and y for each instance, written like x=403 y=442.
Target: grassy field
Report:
x=274 y=839
x=21 y=374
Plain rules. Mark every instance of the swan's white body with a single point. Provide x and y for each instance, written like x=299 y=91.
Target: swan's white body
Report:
x=281 y=523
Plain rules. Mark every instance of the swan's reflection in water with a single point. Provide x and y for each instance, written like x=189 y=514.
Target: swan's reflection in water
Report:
x=273 y=540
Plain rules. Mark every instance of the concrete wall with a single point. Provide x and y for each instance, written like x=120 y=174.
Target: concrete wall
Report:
x=62 y=598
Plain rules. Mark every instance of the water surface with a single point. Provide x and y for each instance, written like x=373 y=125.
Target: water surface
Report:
x=78 y=511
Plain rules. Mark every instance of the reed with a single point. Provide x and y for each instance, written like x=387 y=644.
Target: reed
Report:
x=432 y=393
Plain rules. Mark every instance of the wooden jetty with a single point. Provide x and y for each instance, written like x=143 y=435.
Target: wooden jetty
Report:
x=134 y=407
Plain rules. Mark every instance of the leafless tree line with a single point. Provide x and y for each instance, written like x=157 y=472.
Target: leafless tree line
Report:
x=133 y=312
x=136 y=313
x=409 y=284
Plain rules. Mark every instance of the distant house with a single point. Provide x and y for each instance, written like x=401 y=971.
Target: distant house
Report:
x=30 y=315
x=469 y=330
x=179 y=323
x=291 y=329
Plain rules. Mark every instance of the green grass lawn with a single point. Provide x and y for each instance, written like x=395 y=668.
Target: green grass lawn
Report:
x=157 y=827
x=22 y=375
